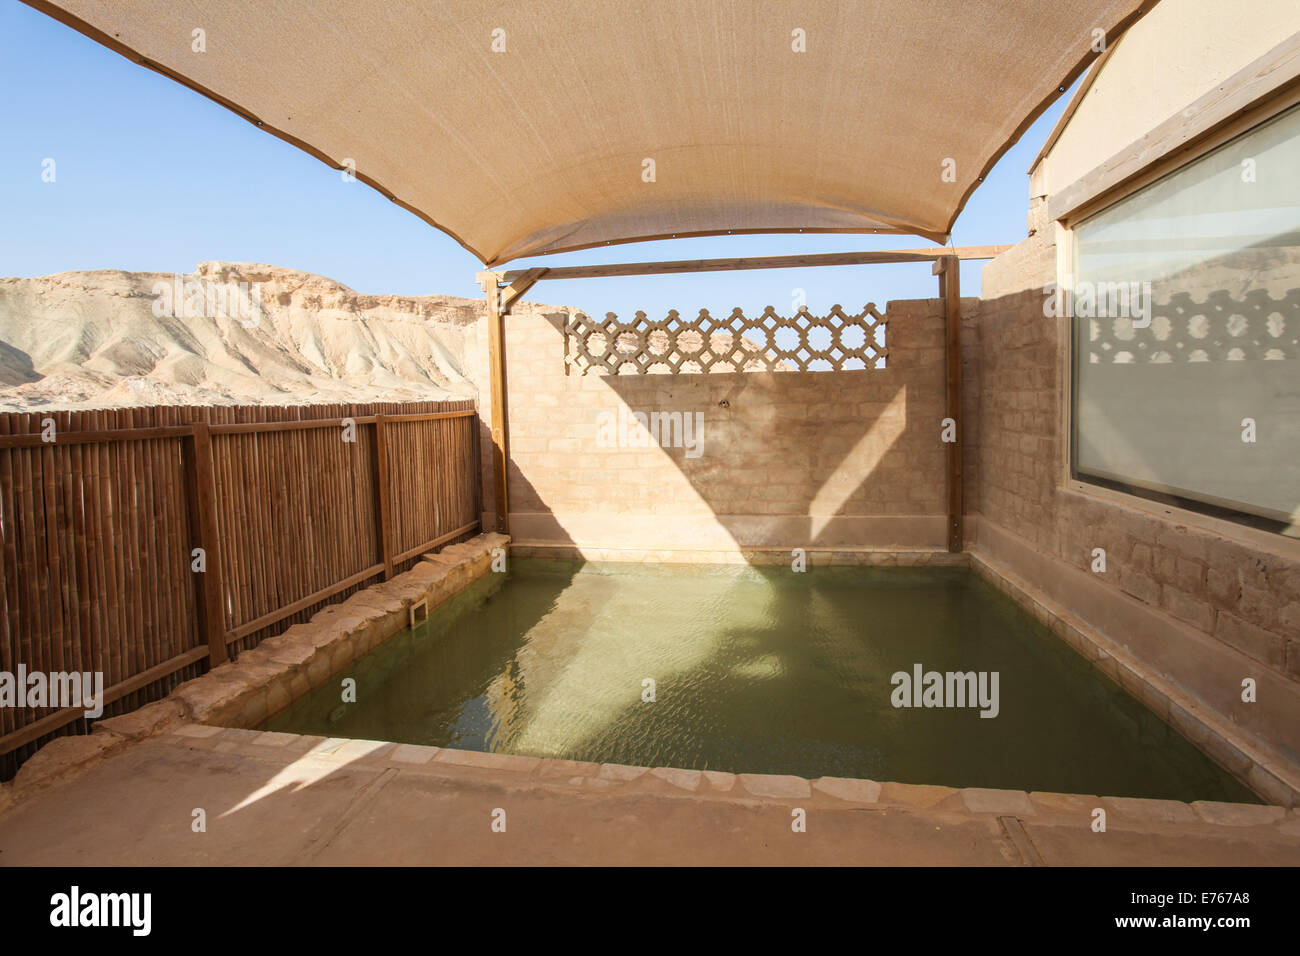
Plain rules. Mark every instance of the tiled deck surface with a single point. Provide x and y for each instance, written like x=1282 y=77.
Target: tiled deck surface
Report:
x=277 y=799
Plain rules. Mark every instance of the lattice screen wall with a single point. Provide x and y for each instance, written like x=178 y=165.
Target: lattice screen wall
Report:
x=736 y=343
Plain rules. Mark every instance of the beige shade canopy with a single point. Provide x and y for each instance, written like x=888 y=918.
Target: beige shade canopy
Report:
x=535 y=126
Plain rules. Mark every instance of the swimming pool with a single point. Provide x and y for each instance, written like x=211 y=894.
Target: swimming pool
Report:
x=914 y=675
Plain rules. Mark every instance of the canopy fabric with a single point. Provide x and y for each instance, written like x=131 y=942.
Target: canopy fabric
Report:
x=542 y=147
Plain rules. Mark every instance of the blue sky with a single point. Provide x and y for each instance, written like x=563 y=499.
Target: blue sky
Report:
x=153 y=177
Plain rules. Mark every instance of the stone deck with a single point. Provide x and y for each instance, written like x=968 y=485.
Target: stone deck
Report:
x=286 y=799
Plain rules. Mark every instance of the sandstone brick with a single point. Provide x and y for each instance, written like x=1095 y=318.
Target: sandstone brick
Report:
x=1164 y=566
x=1139 y=809
x=144 y=721
x=1238 y=814
x=1139 y=586
x=1140 y=556
x=1293 y=659
x=682 y=779
x=1187 y=543
x=1264 y=646
x=1188 y=608
x=212 y=696
x=914 y=795
x=781 y=786
x=1288 y=618
x=568 y=769
x=979 y=800
x=489 y=761
x=719 y=780
x=852 y=790
x=1189 y=576
x=1072 y=804
x=1223 y=586
x=620 y=772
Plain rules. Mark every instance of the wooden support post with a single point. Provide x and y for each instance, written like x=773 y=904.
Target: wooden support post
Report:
x=499 y=301
x=383 y=510
x=201 y=504
x=497 y=370
x=948 y=270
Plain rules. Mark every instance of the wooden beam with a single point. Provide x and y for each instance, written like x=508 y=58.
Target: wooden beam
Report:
x=202 y=505
x=246 y=428
x=431 y=416
x=274 y=617
x=521 y=284
x=93 y=436
x=949 y=272
x=497 y=371
x=90 y=437
x=749 y=262
x=434 y=542
x=52 y=722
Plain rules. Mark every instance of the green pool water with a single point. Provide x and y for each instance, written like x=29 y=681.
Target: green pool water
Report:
x=759 y=670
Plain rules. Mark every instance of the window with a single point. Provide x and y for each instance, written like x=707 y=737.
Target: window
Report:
x=1186 y=304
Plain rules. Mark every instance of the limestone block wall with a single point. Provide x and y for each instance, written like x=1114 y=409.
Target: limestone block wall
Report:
x=785 y=459
x=1200 y=603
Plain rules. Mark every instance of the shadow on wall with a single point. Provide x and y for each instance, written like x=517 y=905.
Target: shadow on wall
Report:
x=728 y=461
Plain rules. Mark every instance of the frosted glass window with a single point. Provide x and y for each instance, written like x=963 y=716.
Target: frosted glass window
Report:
x=1186 y=305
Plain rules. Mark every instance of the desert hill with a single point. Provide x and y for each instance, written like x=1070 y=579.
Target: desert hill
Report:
x=227 y=333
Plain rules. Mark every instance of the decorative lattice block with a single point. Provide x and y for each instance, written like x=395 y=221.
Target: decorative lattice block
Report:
x=736 y=343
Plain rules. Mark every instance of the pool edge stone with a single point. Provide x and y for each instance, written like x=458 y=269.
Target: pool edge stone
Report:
x=266 y=679
x=688 y=780
x=921 y=795
x=413 y=754
x=1067 y=805
x=849 y=789
x=989 y=800
x=620 y=773
x=1143 y=809
x=1238 y=814
x=776 y=786
x=487 y=761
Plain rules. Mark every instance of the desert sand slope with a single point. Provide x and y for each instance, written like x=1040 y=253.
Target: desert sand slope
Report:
x=110 y=338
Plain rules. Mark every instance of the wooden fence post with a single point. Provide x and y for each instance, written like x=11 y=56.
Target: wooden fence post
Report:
x=475 y=423
x=200 y=494
x=383 y=514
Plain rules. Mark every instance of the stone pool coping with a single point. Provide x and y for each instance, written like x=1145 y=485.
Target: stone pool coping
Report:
x=725 y=785
x=1010 y=827
x=1264 y=771
x=223 y=704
